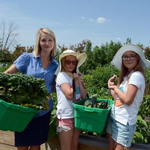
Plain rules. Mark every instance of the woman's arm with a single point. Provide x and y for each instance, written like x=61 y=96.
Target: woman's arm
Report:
x=12 y=69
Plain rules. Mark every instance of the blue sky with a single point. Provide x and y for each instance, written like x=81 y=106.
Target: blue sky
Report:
x=72 y=21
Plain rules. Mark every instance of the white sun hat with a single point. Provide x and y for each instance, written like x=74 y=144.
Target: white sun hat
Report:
x=81 y=57
x=117 y=60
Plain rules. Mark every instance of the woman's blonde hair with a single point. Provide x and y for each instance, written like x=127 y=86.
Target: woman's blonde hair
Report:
x=37 y=48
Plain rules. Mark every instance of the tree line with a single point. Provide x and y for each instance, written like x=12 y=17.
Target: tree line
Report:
x=96 y=56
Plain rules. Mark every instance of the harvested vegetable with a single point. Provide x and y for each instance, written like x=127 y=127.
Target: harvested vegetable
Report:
x=23 y=90
x=88 y=103
x=102 y=105
x=96 y=104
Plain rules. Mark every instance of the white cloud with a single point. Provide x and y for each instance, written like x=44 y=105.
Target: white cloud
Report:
x=102 y=20
x=92 y=20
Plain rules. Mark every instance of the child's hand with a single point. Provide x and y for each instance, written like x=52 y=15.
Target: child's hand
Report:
x=111 y=82
x=80 y=76
x=77 y=76
x=112 y=87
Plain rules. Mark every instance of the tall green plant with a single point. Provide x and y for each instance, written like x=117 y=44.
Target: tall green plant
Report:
x=96 y=80
x=141 y=134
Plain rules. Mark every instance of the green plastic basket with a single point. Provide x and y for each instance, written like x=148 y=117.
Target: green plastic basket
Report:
x=91 y=119
x=15 y=117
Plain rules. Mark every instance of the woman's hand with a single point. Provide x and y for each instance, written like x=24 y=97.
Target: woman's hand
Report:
x=12 y=69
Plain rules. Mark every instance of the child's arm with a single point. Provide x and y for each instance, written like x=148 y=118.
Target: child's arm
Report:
x=111 y=82
x=128 y=97
x=78 y=81
x=83 y=90
x=67 y=90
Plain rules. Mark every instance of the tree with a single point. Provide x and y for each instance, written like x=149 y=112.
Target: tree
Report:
x=88 y=65
x=128 y=41
x=105 y=53
x=5 y=56
x=147 y=52
x=97 y=56
x=8 y=35
x=18 y=51
x=80 y=47
x=30 y=49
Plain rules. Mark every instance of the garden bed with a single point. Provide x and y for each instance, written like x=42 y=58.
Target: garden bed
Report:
x=89 y=142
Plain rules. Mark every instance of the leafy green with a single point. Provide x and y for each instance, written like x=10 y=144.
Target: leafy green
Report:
x=24 y=90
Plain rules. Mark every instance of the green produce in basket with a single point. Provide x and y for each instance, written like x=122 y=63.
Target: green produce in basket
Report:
x=96 y=104
x=102 y=105
x=24 y=90
x=88 y=103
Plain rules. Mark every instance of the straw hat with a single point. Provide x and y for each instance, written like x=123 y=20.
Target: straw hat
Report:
x=117 y=60
x=81 y=57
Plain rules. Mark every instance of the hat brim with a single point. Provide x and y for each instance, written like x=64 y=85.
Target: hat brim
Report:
x=117 y=60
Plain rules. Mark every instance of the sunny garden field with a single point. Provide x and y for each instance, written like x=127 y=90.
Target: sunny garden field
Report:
x=97 y=70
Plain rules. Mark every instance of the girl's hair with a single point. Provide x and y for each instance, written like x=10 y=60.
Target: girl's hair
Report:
x=63 y=67
x=124 y=70
x=37 y=48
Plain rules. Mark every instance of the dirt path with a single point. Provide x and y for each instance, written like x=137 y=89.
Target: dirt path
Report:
x=7 y=141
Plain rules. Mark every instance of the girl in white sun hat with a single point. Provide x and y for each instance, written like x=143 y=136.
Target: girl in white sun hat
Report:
x=68 y=73
x=127 y=95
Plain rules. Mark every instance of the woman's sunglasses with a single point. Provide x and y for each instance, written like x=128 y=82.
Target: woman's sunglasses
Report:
x=69 y=62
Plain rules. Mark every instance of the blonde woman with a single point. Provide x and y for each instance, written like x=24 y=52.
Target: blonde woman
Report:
x=128 y=95
x=39 y=64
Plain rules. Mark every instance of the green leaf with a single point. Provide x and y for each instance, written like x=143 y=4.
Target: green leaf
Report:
x=142 y=121
x=139 y=135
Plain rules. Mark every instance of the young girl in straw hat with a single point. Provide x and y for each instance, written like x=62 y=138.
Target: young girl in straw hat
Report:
x=68 y=74
x=128 y=95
